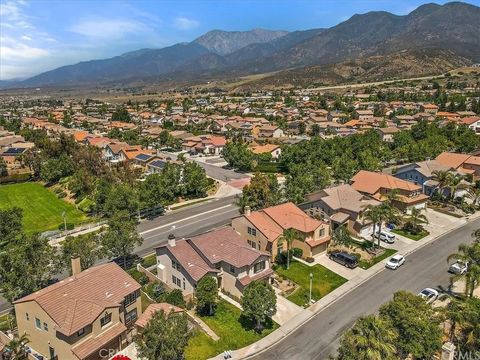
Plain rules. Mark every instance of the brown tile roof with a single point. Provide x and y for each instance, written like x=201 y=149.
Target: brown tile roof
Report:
x=89 y=346
x=261 y=275
x=267 y=148
x=78 y=300
x=371 y=182
x=152 y=309
x=452 y=160
x=225 y=244
x=272 y=221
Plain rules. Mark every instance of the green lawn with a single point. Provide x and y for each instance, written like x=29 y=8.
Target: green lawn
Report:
x=323 y=281
x=42 y=210
x=365 y=264
x=234 y=331
x=410 y=235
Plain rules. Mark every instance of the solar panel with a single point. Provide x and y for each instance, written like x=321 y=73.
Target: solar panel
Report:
x=143 y=157
x=158 y=164
x=14 y=151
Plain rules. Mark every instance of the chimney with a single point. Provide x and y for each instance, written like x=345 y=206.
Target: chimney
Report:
x=76 y=265
x=247 y=211
x=171 y=240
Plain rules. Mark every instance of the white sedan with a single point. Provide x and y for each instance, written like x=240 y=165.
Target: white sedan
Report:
x=429 y=295
x=458 y=268
x=395 y=262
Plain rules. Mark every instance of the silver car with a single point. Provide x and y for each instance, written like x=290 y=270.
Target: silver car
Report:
x=429 y=295
x=458 y=268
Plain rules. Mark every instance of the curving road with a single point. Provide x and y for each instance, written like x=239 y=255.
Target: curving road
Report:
x=318 y=338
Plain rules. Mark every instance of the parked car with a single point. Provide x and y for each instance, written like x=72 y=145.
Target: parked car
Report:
x=458 y=268
x=386 y=236
x=344 y=259
x=395 y=262
x=429 y=295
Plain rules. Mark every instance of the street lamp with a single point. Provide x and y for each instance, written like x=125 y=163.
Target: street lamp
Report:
x=310 y=297
x=64 y=220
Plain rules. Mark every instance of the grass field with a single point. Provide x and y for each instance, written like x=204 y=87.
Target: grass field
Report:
x=411 y=236
x=42 y=210
x=234 y=332
x=323 y=281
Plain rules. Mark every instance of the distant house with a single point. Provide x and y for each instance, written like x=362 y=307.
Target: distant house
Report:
x=343 y=206
x=270 y=131
x=272 y=149
x=221 y=254
x=473 y=122
x=378 y=185
x=85 y=316
x=363 y=114
x=264 y=229
x=429 y=108
x=463 y=163
x=204 y=144
x=386 y=134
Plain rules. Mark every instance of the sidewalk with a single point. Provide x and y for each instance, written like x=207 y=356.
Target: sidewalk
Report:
x=326 y=301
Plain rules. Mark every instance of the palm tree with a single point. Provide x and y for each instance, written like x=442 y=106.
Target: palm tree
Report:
x=372 y=214
x=468 y=254
x=442 y=177
x=473 y=193
x=386 y=212
x=371 y=338
x=289 y=235
x=17 y=347
x=392 y=196
x=416 y=218
x=453 y=183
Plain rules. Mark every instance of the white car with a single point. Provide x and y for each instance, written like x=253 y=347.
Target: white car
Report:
x=458 y=268
x=429 y=295
x=395 y=262
x=386 y=236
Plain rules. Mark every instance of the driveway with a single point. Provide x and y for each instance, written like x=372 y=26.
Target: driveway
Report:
x=286 y=309
x=439 y=223
x=337 y=268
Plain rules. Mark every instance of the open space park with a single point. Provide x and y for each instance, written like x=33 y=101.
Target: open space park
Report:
x=42 y=210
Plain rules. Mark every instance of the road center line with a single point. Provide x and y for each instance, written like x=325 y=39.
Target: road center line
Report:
x=187 y=218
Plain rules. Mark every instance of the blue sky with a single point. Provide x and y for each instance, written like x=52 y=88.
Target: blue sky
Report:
x=40 y=35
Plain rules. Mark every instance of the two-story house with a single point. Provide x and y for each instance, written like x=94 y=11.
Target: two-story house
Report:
x=85 y=316
x=220 y=253
x=379 y=185
x=264 y=230
x=343 y=206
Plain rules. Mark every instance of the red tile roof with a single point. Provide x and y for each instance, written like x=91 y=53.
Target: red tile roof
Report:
x=152 y=309
x=91 y=345
x=371 y=182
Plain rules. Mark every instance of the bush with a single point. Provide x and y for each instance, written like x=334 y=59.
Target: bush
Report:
x=175 y=297
x=70 y=226
x=86 y=205
x=61 y=195
x=138 y=276
x=297 y=252
x=412 y=228
x=310 y=259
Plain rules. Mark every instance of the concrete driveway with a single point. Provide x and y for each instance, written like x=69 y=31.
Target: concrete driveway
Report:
x=439 y=223
x=337 y=268
x=286 y=309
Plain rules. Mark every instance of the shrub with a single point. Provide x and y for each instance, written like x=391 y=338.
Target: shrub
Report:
x=297 y=252
x=175 y=297
x=70 y=226
x=61 y=195
x=412 y=228
x=138 y=276
x=310 y=259
x=86 y=205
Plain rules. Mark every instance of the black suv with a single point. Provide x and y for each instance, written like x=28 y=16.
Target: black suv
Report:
x=345 y=259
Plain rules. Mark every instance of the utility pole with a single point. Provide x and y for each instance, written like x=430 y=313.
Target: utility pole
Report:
x=310 y=297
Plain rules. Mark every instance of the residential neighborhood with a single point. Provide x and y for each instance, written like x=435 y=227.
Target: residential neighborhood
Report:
x=279 y=212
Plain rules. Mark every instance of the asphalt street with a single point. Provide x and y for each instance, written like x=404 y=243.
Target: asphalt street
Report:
x=216 y=172
x=187 y=222
x=319 y=337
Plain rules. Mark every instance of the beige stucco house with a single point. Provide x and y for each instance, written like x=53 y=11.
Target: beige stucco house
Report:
x=263 y=230
x=220 y=253
x=85 y=316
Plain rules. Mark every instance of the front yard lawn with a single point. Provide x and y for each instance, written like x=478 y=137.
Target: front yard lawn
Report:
x=323 y=281
x=365 y=264
x=410 y=235
x=234 y=331
x=42 y=210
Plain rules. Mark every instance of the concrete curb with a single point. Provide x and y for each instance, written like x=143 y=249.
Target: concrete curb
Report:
x=278 y=335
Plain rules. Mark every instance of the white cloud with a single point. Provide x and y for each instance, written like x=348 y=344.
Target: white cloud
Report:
x=26 y=38
x=107 y=28
x=184 y=23
x=12 y=15
x=22 y=51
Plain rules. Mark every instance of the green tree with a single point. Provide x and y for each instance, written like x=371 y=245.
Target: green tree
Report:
x=30 y=255
x=121 y=114
x=152 y=191
x=206 y=294
x=372 y=213
x=85 y=246
x=54 y=169
x=238 y=156
x=371 y=338
x=416 y=323
x=10 y=226
x=3 y=167
x=121 y=236
x=259 y=303
x=175 y=297
x=263 y=191
x=468 y=254
x=121 y=197
x=415 y=221
x=289 y=235
x=164 y=338
x=470 y=324
x=18 y=348
x=195 y=182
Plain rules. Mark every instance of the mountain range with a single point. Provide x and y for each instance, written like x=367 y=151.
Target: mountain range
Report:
x=431 y=38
